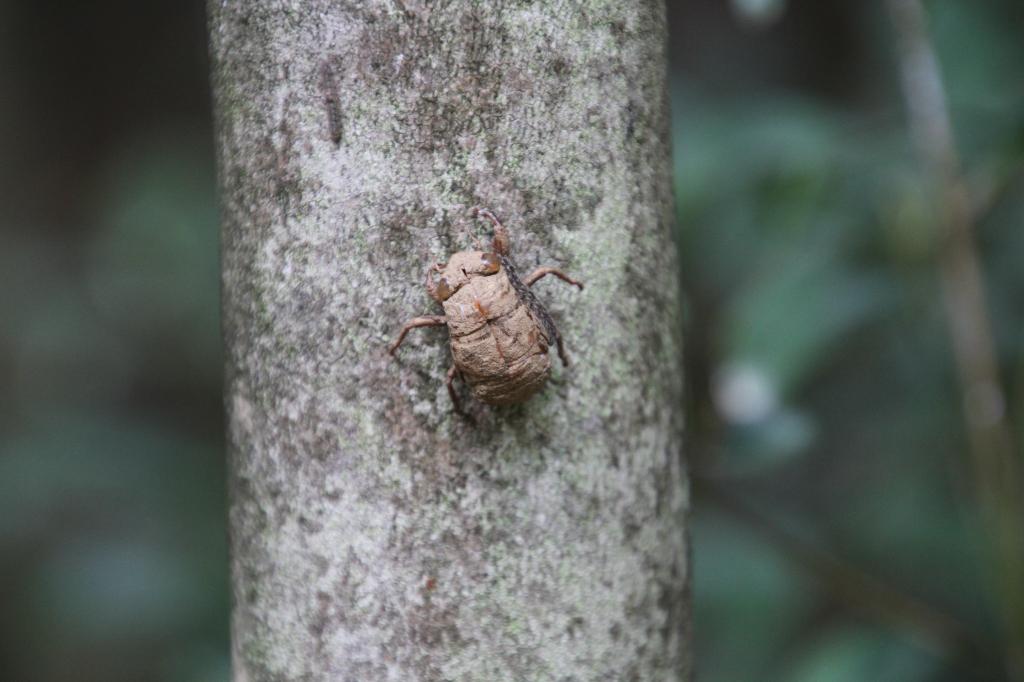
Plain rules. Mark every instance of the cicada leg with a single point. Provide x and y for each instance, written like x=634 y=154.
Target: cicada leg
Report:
x=541 y=272
x=432 y=285
x=500 y=242
x=427 y=321
x=453 y=372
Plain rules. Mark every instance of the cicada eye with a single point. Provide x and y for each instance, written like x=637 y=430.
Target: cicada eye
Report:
x=444 y=290
x=490 y=263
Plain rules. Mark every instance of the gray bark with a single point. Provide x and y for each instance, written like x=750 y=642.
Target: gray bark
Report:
x=375 y=535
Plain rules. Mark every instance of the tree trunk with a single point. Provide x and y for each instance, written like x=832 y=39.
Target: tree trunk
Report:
x=375 y=534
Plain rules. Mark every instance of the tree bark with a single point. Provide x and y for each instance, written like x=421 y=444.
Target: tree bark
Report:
x=376 y=535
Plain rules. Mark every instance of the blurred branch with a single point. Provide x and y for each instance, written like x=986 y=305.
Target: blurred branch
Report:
x=985 y=202
x=937 y=631
x=996 y=478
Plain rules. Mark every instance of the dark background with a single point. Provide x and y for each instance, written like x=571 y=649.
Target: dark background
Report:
x=836 y=527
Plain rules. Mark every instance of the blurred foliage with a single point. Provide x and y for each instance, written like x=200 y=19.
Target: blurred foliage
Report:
x=111 y=463
x=822 y=386
x=113 y=549
x=822 y=382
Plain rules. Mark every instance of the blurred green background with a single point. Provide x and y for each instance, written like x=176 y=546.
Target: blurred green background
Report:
x=839 y=529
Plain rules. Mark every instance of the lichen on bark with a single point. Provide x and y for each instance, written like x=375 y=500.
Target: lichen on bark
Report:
x=374 y=534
